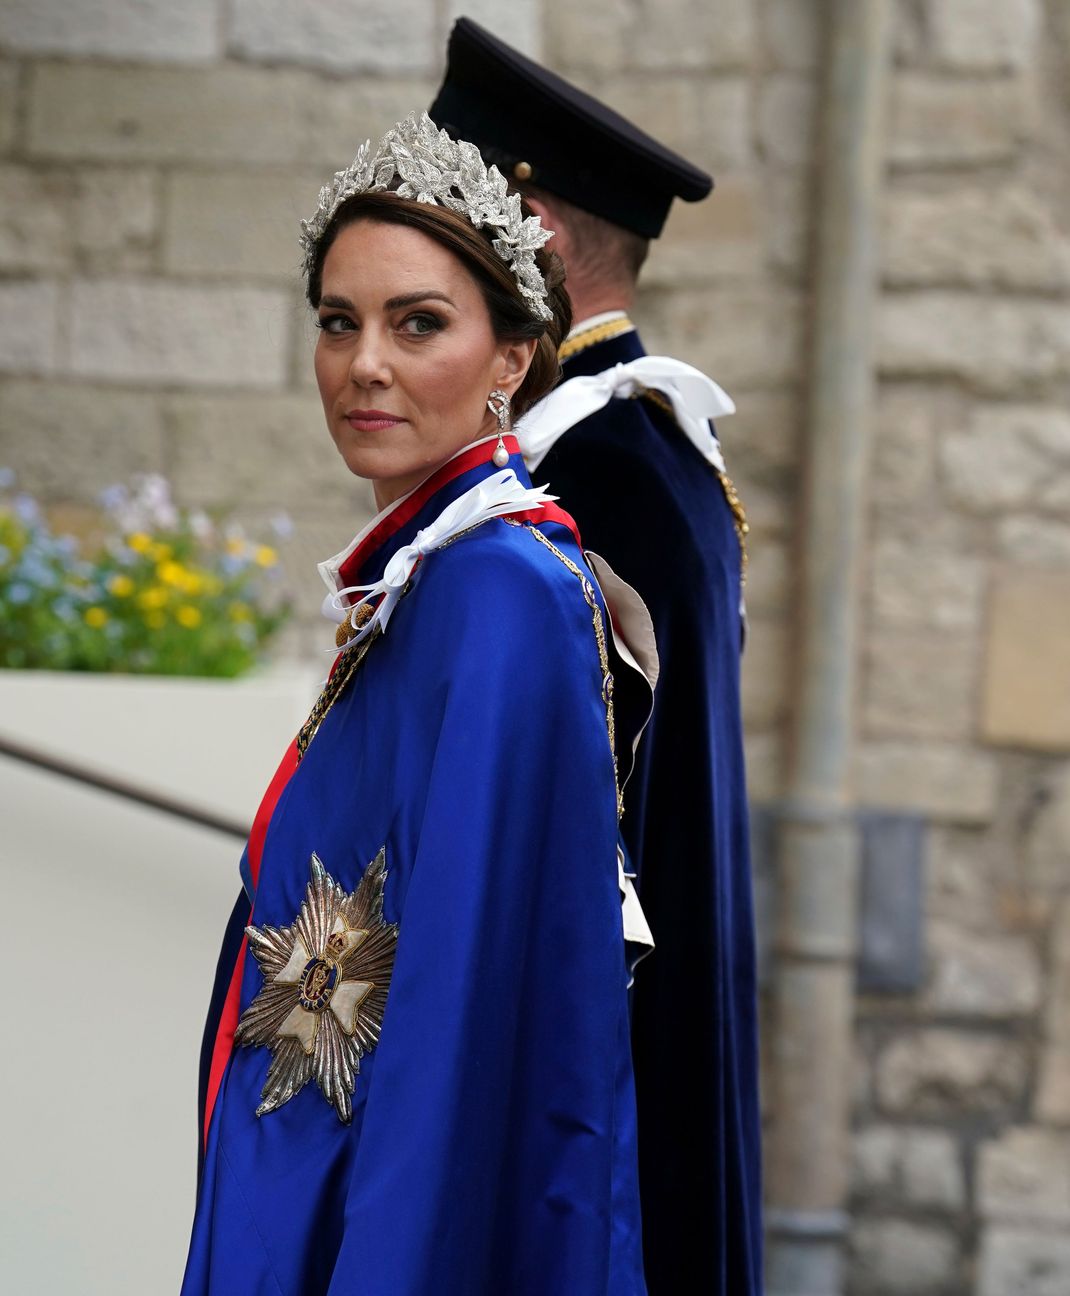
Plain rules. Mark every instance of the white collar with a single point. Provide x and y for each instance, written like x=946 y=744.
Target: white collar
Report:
x=592 y=321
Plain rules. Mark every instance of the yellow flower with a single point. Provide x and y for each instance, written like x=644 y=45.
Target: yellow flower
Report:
x=236 y=546
x=171 y=573
x=239 y=612
x=160 y=552
x=192 y=582
x=155 y=620
x=96 y=617
x=139 y=542
x=152 y=598
x=266 y=556
x=121 y=586
x=188 y=616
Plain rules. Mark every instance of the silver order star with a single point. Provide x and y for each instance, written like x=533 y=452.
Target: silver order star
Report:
x=326 y=978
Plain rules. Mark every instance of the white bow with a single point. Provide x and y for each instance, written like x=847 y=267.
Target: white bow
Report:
x=493 y=497
x=695 y=400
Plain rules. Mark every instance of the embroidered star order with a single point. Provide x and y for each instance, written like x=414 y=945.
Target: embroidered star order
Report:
x=326 y=978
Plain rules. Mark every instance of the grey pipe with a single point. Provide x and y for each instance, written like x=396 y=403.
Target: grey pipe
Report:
x=813 y=995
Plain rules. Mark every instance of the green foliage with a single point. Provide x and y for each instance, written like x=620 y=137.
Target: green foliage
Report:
x=165 y=593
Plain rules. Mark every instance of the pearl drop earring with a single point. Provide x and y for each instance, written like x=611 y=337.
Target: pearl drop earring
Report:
x=498 y=404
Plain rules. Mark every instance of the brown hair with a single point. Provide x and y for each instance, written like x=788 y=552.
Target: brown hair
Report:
x=510 y=316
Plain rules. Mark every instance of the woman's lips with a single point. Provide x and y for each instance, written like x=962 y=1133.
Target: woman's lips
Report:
x=371 y=420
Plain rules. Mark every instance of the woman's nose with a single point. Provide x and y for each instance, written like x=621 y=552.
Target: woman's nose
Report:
x=369 y=365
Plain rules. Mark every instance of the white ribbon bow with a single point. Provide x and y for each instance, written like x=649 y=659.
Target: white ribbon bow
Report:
x=493 y=497
x=695 y=400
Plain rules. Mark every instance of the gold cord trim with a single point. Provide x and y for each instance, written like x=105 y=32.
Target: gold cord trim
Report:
x=735 y=504
x=590 y=337
x=600 y=639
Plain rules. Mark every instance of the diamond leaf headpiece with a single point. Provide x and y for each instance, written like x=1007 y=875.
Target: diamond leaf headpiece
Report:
x=417 y=160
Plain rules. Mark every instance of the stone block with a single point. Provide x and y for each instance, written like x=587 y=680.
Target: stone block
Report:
x=606 y=36
x=69 y=442
x=957 y=121
x=973 y=236
x=678 y=34
x=1034 y=541
x=901 y=1258
x=146 y=30
x=788 y=212
x=1051 y=1102
x=1023 y=1262
x=786 y=120
x=1011 y=456
x=1024 y=1177
x=236 y=224
x=1026 y=700
x=981 y=975
x=34 y=220
x=762 y=437
x=376 y=36
x=519 y=23
x=904 y=450
x=707 y=119
x=156 y=334
x=984 y=35
x=764 y=753
x=9 y=91
x=993 y=345
x=29 y=314
x=765 y=673
x=791 y=34
x=890 y=903
x=913 y=587
x=743 y=336
x=710 y=241
x=942 y=1073
x=115 y=215
x=919 y=685
x=592 y=37
x=1047 y=842
x=1057 y=994
x=245 y=450
x=224 y=114
x=945 y=781
x=908 y=1165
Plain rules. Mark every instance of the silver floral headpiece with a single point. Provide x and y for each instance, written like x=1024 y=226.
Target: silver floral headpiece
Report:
x=433 y=168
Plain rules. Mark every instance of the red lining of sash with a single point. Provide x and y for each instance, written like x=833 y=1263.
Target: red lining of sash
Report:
x=228 y=1018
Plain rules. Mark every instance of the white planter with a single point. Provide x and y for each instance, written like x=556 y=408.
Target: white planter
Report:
x=213 y=743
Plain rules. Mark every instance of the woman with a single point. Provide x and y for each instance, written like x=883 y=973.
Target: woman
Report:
x=421 y=1080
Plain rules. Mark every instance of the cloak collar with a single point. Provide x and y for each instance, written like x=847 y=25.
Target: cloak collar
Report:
x=364 y=560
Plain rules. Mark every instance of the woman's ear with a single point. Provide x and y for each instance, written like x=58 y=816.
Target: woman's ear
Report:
x=515 y=360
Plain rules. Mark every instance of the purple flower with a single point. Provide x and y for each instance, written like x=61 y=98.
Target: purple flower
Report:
x=26 y=509
x=19 y=594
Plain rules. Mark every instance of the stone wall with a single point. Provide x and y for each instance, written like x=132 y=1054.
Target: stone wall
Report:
x=155 y=160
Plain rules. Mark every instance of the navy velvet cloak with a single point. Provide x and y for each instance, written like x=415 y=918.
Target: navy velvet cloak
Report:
x=644 y=498
x=492 y=1147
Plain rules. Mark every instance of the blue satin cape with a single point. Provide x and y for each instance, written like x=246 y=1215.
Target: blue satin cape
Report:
x=493 y=1143
x=694 y=1031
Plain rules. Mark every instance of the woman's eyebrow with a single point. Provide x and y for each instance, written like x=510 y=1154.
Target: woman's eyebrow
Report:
x=410 y=299
x=339 y=303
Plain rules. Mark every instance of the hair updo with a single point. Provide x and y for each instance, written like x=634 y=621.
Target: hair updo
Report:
x=510 y=315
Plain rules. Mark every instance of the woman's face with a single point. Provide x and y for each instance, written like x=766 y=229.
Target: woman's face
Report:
x=406 y=356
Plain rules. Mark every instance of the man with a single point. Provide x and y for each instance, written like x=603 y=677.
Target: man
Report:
x=626 y=444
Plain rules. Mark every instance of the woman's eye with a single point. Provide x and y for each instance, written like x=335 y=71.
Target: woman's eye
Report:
x=419 y=325
x=334 y=323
